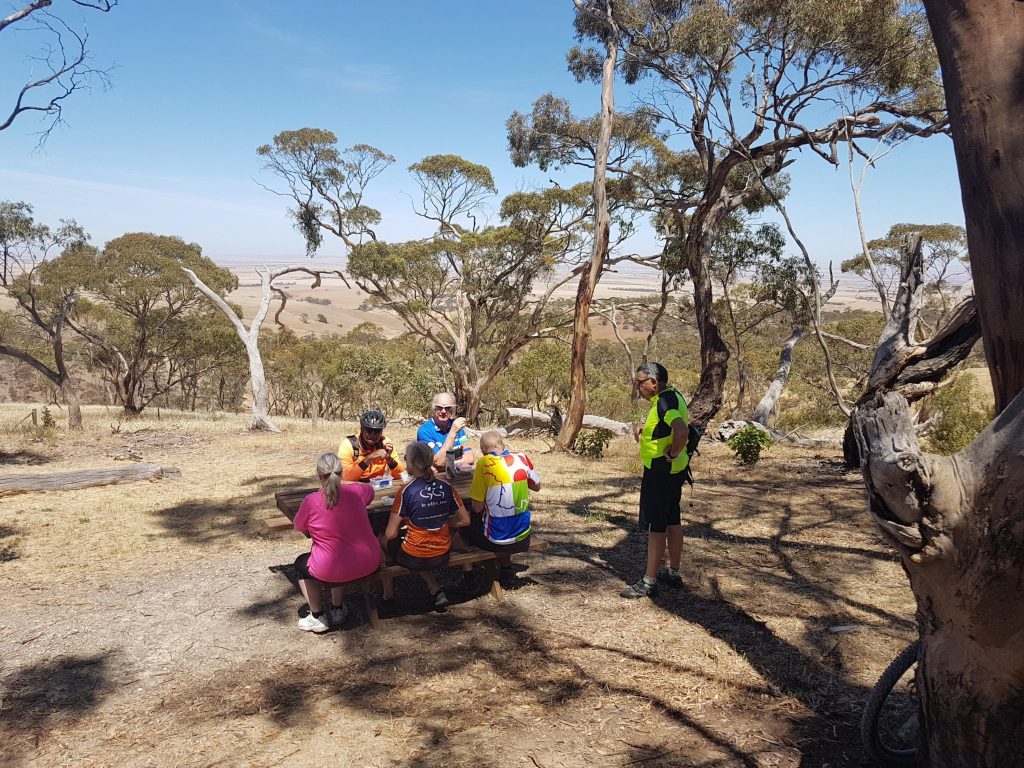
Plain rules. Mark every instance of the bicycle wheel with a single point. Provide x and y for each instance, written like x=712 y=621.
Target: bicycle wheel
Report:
x=889 y=724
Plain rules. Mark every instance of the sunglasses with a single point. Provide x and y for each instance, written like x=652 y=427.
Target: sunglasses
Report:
x=373 y=432
x=444 y=408
x=642 y=381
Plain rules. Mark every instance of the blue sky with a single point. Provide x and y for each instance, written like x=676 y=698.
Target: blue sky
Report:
x=198 y=85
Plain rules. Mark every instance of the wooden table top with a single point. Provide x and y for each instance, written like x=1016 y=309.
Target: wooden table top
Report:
x=289 y=501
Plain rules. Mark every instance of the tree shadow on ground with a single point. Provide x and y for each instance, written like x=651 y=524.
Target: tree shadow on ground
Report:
x=411 y=597
x=777 y=563
x=205 y=520
x=8 y=546
x=37 y=697
x=432 y=672
x=24 y=457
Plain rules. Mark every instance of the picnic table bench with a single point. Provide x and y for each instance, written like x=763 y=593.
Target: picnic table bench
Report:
x=379 y=510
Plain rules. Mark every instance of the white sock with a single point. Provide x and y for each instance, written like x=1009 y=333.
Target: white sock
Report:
x=649 y=581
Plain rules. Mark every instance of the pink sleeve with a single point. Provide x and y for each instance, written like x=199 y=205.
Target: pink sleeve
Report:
x=367 y=493
x=301 y=521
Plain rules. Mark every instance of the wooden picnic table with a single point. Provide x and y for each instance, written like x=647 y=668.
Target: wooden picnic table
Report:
x=378 y=509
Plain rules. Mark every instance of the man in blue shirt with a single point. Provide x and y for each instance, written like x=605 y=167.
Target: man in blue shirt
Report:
x=444 y=433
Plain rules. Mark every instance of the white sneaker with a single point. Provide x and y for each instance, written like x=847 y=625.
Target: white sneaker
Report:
x=338 y=615
x=311 y=623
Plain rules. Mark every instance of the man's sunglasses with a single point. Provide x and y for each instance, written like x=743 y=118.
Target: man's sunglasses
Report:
x=444 y=408
x=372 y=432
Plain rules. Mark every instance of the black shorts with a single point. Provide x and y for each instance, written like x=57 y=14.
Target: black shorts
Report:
x=660 y=496
x=474 y=534
x=302 y=568
x=413 y=563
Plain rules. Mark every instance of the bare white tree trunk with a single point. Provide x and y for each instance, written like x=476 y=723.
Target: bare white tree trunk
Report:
x=766 y=407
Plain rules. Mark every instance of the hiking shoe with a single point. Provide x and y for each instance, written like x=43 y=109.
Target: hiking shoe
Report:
x=338 y=615
x=669 y=580
x=312 y=623
x=640 y=589
x=440 y=601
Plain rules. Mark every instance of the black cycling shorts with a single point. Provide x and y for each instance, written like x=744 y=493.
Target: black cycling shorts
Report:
x=413 y=563
x=660 y=497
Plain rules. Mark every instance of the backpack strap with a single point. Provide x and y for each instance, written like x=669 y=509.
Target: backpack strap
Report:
x=355 y=447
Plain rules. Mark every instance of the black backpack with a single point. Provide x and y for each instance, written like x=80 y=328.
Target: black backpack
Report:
x=355 y=447
x=692 y=440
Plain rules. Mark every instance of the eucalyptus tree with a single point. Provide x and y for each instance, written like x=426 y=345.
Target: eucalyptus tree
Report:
x=42 y=270
x=479 y=296
x=250 y=337
x=738 y=251
x=62 y=60
x=326 y=184
x=475 y=293
x=139 y=310
x=958 y=521
x=736 y=89
x=945 y=268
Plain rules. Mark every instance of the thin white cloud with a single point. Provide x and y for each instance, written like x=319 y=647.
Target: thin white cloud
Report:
x=354 y=78
x=253 y=25
x=124 y=190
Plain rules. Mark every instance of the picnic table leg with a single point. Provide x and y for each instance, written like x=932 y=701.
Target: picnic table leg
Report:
x=491 y=569
x=388 y=585
x=371 y=605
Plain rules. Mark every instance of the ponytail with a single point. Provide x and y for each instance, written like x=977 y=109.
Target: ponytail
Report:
x=419 y=460
x=328 y=469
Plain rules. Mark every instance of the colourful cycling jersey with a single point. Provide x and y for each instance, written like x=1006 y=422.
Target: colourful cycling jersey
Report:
x=350 y=459
x=656 y=435
x=430 y=434
x=426 y=506
x=502 y=482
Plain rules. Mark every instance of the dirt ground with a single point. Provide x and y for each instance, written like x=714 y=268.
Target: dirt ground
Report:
x=149 y=624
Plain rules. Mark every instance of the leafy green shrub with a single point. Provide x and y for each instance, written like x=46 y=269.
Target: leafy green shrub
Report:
x=592 y=443
x=964 y=414
x=48 y=420
x=748 y=443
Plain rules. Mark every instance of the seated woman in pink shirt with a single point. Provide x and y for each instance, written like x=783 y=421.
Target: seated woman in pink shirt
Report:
x=344 y=546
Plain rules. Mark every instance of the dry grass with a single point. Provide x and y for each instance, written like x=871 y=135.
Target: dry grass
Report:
x=142 y=625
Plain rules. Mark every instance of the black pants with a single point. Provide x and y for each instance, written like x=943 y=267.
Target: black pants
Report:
x=474 y=533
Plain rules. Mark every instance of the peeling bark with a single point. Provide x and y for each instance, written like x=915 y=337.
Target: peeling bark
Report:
x=958 y=524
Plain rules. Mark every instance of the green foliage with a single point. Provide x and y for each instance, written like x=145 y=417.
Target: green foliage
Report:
x=748 y=443
x=327 y=184
x=48 y=420
x=143 y=312
x=592 y=442
x=964 y=415
x=339 y=376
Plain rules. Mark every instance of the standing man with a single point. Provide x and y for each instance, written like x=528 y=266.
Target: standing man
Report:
x=663 y=452
x=444 y=433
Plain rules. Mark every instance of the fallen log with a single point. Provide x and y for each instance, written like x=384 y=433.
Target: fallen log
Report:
x=729 y=428
x=524 y=418
x=84 y=478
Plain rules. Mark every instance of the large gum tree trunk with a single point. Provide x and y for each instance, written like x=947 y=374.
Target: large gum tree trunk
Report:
x=260 y=421
x=981 y=49
x=67 y=388
x=573 y=420
x=958 y=524
x=968 y=571
x=714 y=353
